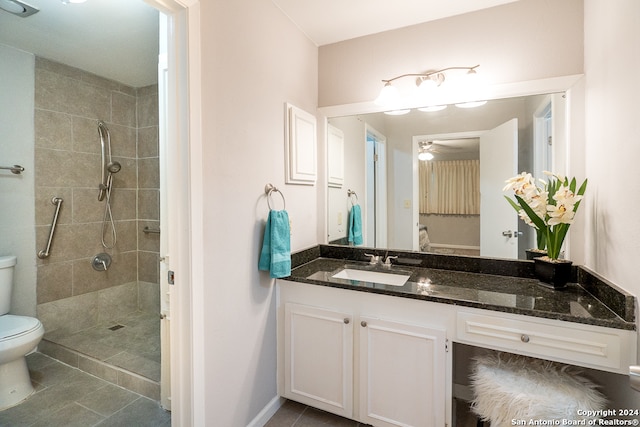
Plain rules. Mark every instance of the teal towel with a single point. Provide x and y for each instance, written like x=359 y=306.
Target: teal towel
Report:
x=275 y=256
x=355 y=225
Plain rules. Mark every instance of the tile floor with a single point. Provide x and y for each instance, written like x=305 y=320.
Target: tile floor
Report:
x=131 y=342
x=125 y=351
x=293 y=414
x=68 y=397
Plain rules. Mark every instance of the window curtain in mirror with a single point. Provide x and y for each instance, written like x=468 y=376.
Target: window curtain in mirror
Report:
x=450 y=187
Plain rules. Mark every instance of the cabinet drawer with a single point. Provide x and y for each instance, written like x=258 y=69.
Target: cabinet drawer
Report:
x=560 y=341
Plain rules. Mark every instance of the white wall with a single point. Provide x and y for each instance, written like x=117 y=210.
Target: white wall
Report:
x=17 y=210
x=338 y=201
x=253 y=61
x=612 y=135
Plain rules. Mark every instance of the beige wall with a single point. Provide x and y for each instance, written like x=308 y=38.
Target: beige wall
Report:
x=254 y=59
x=612 y=58
x=523 y=40
x=71 y=295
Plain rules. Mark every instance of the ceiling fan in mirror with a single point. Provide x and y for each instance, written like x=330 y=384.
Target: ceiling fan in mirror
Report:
x=427 y=149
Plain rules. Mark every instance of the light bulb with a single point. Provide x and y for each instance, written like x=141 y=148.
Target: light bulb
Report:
x=472 y=104
x=432 y=108
x=425 y=155
x=397 y=112
x=389 y=96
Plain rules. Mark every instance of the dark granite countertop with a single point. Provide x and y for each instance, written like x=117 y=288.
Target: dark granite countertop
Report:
x=496 y=292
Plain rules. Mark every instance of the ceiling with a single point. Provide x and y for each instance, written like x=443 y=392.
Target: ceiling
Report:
x=95 y=36
x=331 y=21
x=118 y=39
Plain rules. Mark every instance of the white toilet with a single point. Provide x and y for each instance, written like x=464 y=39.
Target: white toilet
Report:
x=19 y=336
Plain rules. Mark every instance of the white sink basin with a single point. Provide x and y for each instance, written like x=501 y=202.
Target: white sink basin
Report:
x=392 y=279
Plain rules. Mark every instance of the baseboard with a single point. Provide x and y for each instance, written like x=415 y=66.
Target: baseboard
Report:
x=267 y=412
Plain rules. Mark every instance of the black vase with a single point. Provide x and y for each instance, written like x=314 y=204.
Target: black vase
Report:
x=554 y=274
x=535 y=253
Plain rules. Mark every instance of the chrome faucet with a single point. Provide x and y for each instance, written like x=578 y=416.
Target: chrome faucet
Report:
x=387 y=262
x=375 y=259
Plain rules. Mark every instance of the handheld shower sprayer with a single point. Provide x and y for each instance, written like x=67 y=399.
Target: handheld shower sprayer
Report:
x=108 y=168
x=114 y=167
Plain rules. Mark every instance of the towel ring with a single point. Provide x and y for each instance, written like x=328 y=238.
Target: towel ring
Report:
x=350 y=194
x=268 y=189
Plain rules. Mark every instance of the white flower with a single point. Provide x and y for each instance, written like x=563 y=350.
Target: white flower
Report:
x=520 y=184
x=560 y=214
x=523 y=216
x=538 y=202
x=566 y=197
x=552 y=205
x=555 y=175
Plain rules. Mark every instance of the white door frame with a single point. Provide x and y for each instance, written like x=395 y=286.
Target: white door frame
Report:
x=380 y=196
x=416 y=172
x=184 y=225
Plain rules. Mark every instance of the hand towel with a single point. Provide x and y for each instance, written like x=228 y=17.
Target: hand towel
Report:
x=275 y=255
x=355 y=225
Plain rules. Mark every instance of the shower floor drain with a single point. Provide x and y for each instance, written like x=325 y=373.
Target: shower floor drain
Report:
x=116 y=327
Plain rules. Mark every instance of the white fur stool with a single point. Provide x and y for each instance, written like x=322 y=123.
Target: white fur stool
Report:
x=509 y=388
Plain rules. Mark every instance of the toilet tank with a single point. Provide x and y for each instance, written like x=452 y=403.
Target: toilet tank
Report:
x=6 y=282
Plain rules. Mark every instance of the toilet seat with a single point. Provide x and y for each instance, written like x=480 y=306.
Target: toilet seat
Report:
x=12 y=326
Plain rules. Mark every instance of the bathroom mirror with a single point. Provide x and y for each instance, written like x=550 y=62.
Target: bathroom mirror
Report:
x=381 y=165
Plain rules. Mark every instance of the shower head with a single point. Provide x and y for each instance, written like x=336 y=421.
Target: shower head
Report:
x=114 y=167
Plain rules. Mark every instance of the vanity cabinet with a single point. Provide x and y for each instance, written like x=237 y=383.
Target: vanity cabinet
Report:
x=590 y=346
x=384 y=360
x=353 y=355
x=402 y=374
x=318 y=358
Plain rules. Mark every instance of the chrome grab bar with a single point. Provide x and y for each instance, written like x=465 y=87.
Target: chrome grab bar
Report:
x=58 y=202
x=15 y=169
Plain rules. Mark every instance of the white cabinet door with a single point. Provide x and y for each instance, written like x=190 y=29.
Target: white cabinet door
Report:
x=318 y=359
x=335 y=154
x=402 y=374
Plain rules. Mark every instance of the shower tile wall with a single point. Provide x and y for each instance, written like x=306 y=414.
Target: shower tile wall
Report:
x=148 y=199
x=68 y=102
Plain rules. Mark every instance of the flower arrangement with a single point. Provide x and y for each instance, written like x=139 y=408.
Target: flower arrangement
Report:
x=550 y=209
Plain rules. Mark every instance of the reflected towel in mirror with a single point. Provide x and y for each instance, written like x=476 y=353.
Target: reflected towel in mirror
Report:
x=275 y=255
x=355 y=225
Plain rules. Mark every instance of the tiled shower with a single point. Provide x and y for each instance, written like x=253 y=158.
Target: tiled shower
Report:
x=71 y=295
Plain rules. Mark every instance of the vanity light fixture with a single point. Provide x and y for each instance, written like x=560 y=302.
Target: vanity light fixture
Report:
x=472 y=104
x=18 y=8
x=397 y=112
x=432 y=108
x=426 y=82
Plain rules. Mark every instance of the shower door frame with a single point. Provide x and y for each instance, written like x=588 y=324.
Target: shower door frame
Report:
x=183 y=187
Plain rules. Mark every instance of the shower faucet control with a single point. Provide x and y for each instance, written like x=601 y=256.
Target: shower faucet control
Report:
x=101 y=262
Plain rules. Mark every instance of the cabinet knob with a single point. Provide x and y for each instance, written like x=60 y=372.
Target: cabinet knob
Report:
x=524 y=338
x=346 y=320
x=363 y=324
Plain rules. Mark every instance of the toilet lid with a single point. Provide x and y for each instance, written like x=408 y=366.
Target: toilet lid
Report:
x=11 y=325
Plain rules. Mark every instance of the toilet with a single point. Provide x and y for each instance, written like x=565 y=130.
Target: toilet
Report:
x=19 y=336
